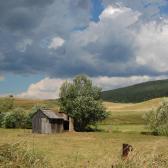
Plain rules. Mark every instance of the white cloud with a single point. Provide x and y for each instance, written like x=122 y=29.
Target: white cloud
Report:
x=49 y=88
x=150 y=9
x=108 y=83
x=110 y=11
x=56 y=43
x=108 y=44
x=152 y=50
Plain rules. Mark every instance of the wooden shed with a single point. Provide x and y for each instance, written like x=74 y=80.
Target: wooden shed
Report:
x=47 y=121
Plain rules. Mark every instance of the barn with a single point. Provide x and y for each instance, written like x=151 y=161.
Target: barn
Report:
x=46 y=121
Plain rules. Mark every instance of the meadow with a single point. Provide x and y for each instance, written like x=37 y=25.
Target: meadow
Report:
x=100 y=149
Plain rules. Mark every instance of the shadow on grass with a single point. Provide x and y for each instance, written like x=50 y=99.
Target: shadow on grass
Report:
x=149 y=133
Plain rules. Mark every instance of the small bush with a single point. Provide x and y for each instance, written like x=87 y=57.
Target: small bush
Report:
x=157 y=120
x=15 y=156
x=28 y=123
x=14 y=119
x=18 y=118
x=1 y=118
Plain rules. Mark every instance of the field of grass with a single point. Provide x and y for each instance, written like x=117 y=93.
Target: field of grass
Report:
x=129 y=113
x=98 y=149
x=125 y=124
x=28 y=104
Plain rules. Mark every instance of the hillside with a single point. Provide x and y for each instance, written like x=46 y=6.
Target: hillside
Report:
x=28 y=104
x=137 y=93
x=120 y=113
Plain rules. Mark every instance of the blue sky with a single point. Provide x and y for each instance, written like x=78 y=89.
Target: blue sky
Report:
x=13 y=84
x=115 y=42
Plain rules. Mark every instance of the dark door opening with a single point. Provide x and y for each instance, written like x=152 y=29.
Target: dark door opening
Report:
x=66 y=125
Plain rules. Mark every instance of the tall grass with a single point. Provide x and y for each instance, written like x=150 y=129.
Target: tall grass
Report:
x=17 y=156
x=135 y=160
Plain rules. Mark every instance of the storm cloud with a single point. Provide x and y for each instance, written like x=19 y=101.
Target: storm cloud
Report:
x=58 y=38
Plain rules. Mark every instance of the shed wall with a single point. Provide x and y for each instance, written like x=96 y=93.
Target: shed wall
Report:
x=41 y=124
x=36 y=122
x=45 y=126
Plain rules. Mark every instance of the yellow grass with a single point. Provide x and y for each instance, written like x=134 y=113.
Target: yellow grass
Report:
x=144 y=106
x=94 y=150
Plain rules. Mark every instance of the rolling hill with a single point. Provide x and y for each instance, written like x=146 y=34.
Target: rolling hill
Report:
x=137 y=93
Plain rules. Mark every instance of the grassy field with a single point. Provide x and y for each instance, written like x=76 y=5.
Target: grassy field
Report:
x=80 y=149
x=125 y=124
x=28 y=104
x=120 y=114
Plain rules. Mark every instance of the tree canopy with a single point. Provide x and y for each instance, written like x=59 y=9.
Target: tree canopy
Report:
x=81 y=101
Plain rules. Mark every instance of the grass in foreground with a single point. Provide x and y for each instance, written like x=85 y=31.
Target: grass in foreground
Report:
x=17 y=156
x=97 y=149
x=90 y=150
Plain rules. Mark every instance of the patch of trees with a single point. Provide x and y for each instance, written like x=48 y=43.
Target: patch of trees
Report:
x=14 y=117
x=157 y=120
x=81 y=100
x=137 y=93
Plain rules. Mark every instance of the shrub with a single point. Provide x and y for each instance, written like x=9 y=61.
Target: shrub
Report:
x=1 y=118
x=15 y=119
x=28 y=123
x=18 y=118
x=15 y=156
x=157 y=120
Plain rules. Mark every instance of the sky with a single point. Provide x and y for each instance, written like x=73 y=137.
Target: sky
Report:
x=116 y=43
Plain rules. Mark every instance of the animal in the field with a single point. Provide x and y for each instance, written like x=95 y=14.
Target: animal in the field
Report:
x=126 y=150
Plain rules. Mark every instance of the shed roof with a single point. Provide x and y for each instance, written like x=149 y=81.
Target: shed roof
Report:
x=52 y=115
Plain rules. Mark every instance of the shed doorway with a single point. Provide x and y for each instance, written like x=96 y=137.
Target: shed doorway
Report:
x=66 y=125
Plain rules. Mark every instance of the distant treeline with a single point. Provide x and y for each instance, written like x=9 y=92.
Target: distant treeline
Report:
x=137 y=93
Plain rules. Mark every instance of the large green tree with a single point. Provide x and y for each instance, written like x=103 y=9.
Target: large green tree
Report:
x=81 y=100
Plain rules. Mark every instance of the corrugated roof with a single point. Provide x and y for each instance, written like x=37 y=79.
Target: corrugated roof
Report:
x=52 y=115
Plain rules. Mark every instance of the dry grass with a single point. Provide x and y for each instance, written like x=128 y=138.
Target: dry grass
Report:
x=27 y=104
x=94 y=150
x=144 y=106
x=98 y=149
x=17 y=156
x=129 y=113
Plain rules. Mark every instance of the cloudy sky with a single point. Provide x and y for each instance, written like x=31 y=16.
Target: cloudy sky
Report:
x=115 y=42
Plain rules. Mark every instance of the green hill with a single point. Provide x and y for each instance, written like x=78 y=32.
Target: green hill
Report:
x=137 y=93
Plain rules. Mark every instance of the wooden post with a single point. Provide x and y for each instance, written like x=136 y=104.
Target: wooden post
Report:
x=71 y=124
x=126 y=150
